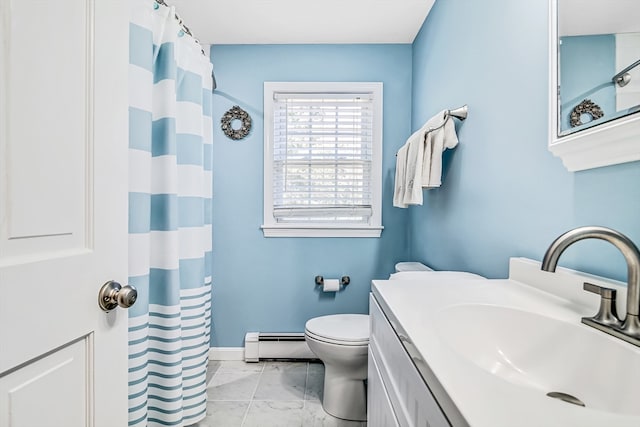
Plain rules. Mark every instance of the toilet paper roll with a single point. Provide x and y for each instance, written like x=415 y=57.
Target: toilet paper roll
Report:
x=331 y=285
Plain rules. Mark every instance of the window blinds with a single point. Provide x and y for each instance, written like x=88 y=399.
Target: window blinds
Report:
x=322 y=157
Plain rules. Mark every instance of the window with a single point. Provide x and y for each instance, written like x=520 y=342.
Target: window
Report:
x=322 y=159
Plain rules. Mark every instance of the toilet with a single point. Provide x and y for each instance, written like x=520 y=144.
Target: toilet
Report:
x=341 y=342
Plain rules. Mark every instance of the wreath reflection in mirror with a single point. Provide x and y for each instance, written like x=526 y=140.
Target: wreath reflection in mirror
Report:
x=585 y=107
x=236 y=113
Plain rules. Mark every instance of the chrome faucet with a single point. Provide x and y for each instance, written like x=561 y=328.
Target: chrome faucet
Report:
x=606 y=320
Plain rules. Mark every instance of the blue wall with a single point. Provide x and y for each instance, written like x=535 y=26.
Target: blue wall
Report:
x=267 y=284
x=587 y=64
x=504 y=194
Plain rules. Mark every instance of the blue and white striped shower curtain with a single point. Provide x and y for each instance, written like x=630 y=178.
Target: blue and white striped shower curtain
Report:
x=170 y=149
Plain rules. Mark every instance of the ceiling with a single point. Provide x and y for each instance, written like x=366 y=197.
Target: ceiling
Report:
x=581 y=17
x=303 y=21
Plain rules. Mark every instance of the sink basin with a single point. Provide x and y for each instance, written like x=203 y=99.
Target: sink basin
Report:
x=545 y=354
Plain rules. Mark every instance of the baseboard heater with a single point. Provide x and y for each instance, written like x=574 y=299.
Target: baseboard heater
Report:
x=276 y=346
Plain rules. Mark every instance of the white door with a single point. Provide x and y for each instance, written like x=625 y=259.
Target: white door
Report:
x=63 y=211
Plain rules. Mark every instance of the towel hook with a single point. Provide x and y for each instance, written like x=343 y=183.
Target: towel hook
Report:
x=460 y=113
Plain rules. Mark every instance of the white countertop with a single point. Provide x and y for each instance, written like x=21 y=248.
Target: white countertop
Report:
x=482 y=398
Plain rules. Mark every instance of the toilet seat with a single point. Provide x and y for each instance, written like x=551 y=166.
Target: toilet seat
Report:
x=340 y=329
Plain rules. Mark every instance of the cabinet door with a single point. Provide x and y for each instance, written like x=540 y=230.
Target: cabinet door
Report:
x=412 y=401
x=63 y=211
x=379 y=409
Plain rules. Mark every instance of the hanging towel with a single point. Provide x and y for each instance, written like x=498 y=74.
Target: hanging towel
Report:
x=413 y=167
x=419 y=161
x=407 y=166
x=408 y=187
x=435 y=144
x=408 y=184
x=398 y=191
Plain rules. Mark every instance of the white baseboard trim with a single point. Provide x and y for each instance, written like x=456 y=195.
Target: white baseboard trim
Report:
x=226 y=353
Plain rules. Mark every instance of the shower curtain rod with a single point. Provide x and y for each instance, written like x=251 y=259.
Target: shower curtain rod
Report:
x=190 y=34
x=181 y=23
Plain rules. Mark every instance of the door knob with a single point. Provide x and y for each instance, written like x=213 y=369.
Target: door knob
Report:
x=112 y=294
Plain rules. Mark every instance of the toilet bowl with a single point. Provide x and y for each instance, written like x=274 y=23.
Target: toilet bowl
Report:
x=341 y=341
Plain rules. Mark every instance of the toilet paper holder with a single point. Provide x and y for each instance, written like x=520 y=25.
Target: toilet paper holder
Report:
x=344 y=280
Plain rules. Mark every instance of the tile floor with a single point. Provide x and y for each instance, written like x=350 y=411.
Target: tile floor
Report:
x=266 y=394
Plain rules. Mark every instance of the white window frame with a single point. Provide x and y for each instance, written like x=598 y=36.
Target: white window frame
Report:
x=270 y=227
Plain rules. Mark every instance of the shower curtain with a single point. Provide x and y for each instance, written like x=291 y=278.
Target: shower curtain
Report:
x=170 y=149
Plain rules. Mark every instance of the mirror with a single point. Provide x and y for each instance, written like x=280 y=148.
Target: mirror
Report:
x=595 y=82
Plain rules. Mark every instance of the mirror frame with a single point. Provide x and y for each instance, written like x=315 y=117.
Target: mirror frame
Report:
x=617 y=141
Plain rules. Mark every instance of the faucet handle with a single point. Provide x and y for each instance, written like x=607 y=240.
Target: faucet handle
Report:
x=607 y=314
x=600 y=290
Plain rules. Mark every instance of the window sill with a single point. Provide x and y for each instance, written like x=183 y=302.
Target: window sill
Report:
x=320 y=231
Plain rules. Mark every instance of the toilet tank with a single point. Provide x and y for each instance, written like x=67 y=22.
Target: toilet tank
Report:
x=419 y=271
x=411 y=266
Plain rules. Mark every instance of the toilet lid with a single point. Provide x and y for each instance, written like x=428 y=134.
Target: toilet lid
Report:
x=351 y=329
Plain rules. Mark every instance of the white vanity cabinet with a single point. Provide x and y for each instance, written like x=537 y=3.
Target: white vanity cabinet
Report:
x=397 y=394
x=379 y=409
